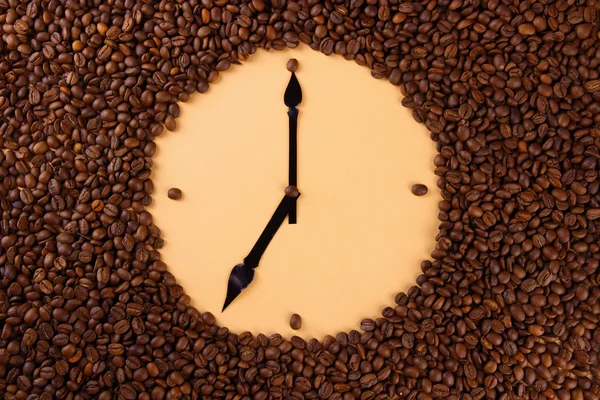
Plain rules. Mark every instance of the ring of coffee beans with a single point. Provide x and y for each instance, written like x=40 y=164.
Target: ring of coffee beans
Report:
x=507 y=308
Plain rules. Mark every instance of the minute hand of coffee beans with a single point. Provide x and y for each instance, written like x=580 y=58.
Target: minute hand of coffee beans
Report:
x=242 y=274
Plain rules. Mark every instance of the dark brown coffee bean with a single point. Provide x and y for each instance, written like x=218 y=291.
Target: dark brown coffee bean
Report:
x=296 y=322
x=368 y=381
x=210 y=352
x=127 y=392
x=303 y=385
x=527 y=29
x=121 y=327
x=46 y=287
x=367 y=324
x=419 y=189
x=208 y=318
x=292 y=191
x=325 y=390
x=292 y=65
x=29 y=337
x=174 y=194
x=61 y=367
x=223 y=65
x=440 y=391
x=470 y=371
x=592 y=86
x=47 y=373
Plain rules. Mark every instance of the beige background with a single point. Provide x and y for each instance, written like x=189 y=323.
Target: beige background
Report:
x=361 y=234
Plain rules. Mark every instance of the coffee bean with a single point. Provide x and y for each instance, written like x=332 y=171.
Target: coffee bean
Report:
x=592 y=86
x=292 y=191
x=127 y=392
x=174 y=194
x=223 y=65
x=440 y=391
x=46 y=287
x=527 y=29
x=47 y=373
x=27 y=196
x=29 y=337
x=61 y=367
x=292 y=65
x=419 y=189
x=208 y=318
x=368 y=381
x=121 y=327
x=296 y=322
x=367 y=324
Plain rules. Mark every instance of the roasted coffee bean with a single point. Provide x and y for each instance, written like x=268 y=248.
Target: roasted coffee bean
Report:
x=174 y=194
x=292 y=65
x=303 y=385
x=291 y=191
x=440 y=391
x=367 y=324
x=295 y=322
x=419 y=189
x=592 y=86
x=368 y=381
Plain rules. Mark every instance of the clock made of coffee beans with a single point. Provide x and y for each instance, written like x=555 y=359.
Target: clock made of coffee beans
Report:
x=357 y=219
x=506 y=303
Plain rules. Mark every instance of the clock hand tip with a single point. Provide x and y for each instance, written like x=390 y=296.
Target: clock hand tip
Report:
x=293 y=93
x=226 y=304
x=232 y=294
x=240 y=278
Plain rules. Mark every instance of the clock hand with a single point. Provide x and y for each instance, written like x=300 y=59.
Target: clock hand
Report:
x=253 y=258
x=292 y=98
x=243 y=274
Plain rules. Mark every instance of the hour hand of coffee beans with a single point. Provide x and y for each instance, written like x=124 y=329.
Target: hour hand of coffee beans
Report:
x=292 y=98
x=242 y=274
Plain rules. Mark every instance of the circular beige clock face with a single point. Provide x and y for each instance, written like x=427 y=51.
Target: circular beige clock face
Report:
x=361 y=234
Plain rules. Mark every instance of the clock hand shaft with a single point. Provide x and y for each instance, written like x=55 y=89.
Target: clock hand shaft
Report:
x=292 y=98
x=242 y=275
x=269 y=232
x=293 y=169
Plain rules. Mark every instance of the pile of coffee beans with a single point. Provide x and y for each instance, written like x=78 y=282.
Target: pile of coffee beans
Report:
x=507 y=307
